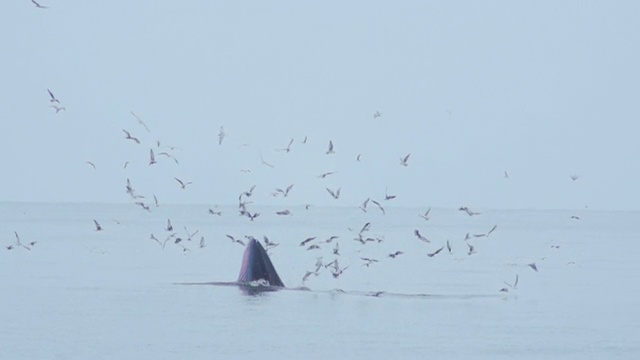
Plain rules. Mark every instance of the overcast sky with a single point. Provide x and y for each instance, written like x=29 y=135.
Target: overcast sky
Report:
x=543 y=90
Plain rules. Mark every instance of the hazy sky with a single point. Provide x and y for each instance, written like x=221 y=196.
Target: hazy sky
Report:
x=542 y=90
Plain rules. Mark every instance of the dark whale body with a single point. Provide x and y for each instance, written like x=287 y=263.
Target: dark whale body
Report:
x=257 y=266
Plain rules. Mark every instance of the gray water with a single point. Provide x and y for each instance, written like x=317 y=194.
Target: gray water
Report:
x=114 y=294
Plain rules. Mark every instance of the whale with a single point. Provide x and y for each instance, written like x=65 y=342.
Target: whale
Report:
x=257 y=268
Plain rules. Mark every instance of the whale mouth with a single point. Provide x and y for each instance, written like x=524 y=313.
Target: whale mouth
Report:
x=256 y=269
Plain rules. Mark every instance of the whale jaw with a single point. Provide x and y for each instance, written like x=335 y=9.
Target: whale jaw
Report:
x=257 y=268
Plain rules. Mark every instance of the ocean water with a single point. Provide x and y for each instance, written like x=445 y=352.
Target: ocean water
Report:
x=116 y=294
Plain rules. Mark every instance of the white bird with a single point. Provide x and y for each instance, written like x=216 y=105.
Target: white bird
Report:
x=377 y=115
x=58 y=108
x=221 y=135
x=128 y=136
x=53 y=98
x=141 y=122
x=183 y=184
x=90 y=163
x=403 y=161
x=330 y=150
x=98 y=227
x=334 y=194
x=40 y=7
x=152 y=158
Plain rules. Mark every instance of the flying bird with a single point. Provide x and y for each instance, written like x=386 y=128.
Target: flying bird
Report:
x=288 y=148
x=379 y=206
x=426 y=214
x=285 y=192
x=58 y=108
x=574 y=177
x=324 y=175
x=169 y=226
x=469 y=212
x=377 y=115
x=330 y=150
x=142 y=123
x=128 y=136
x=97 y=225
x=164 y=153
x=183 y=184
x=152 y=158
x=307 y=240
x=221 y=135
x=387 y=196
x=416 y=232
x=363 y=207
x=403 y=161
x=358 y=157
x=90 y=163
x=53 y=98
x=334 y=194
x=448 y=246
x=435 y=252
x=393 y=255
x=533 y=266
x=283 y=212
x=264 y=162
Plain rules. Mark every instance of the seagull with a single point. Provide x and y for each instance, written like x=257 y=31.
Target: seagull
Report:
x=334 y=194
x=416 y=232
x=220 y=135
x=126 y=163
x=201 y=245
x=169 y=226
x=575 y=217
x=336 y=249
x=393 y=255
x=155 y=200
x=331 y=238
x=142 y=205
x=285 y=192
x=287 y=149
x=58 y=108
x=305 y=241
x=368 y=261
x=53 y=98
x=469 y=212
x=90 y=163
x=574 y=177
x=363 y=207
x=377 y=115
x=492 y=230
x=212 y=212
x=403 y=161
x=506 y=175
x=330 y=151
x=435 y=252
x=183 y=184
x=152 y=158
x=533 y=266
x=448 y=246
x=142 y=123
x=98 y=227
x=324 y=175
x=283 y=212
x=358 y=157
x=164 y=153
x=304 y=141
x=366 y=227
x=426 y=214
x=20 y=244
x=379 y=206
x=264 y=162
x=128 y=136
x=514 y=285
x=238 y=241
x=472 y=249
x=387 y=196
x=313 y=247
